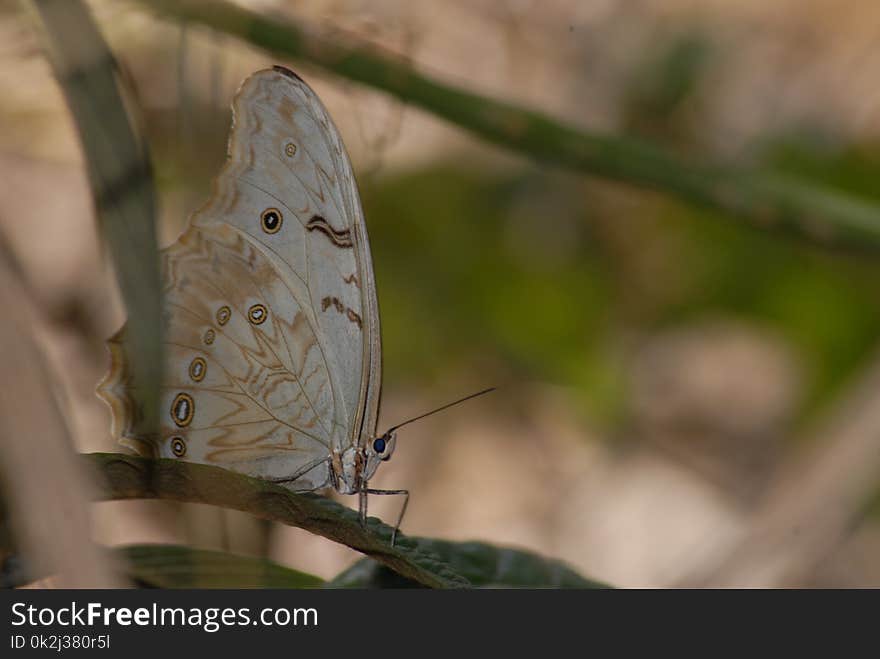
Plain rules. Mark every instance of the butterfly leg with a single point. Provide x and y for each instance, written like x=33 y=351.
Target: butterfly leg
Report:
x=405 y=493
x=362 y=507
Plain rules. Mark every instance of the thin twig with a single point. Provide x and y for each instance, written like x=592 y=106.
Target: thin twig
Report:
x=765 y=199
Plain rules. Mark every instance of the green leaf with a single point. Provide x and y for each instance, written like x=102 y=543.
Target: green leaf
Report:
x=128 y=477
x=484 y=565
x=175 y=566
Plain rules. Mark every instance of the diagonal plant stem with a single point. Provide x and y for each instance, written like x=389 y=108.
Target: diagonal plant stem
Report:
x=120 y=175
x=51 y=532
x=128 y=477
x=766 y=199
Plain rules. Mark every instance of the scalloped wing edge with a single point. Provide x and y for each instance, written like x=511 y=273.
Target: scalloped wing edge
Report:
x=126 y=413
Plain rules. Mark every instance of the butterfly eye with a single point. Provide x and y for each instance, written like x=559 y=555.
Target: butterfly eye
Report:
x=257 y=314
x=197 y=369
x=379 y=445
x=223 y=314
x=182 y=410
x=271 y=220
x=178 y=446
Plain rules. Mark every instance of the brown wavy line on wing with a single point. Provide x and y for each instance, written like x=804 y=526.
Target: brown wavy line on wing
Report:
x=338 y=238
x=350 y=313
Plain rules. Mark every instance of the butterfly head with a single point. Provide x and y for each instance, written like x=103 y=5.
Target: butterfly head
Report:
x=357 y=464
x=379 y=450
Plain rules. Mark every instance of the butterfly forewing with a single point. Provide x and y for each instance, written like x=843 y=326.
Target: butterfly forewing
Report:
x=271 y=320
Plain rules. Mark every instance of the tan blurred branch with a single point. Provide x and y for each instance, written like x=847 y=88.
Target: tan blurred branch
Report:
x=815 y=502
x=46 y=494
x=765 y=199
x=120 y=175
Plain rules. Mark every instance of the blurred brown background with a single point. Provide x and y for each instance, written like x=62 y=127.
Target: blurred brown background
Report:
x=684 y=400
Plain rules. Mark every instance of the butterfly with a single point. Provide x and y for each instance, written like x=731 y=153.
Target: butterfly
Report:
x=270 y=318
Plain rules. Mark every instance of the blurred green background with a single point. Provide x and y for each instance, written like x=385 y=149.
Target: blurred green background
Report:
x=682 y=392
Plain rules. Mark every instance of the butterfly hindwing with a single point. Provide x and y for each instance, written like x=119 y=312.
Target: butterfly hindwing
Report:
x=286 y=159
x=270 y=314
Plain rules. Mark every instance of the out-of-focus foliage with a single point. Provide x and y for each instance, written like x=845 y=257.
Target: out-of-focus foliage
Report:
x=601 y=309
x=174 y=566
x=533 y=283
x=749 y=194
x=484 y=565
x=533 y=273
x=481 y=269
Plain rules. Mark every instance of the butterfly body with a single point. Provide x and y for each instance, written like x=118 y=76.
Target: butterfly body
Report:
x=270 y=317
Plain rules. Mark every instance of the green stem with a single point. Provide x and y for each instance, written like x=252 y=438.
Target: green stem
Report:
x=768 y=200
x=128 y=477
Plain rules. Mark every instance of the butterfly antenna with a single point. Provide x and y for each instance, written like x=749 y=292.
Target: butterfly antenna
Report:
x=440 y=409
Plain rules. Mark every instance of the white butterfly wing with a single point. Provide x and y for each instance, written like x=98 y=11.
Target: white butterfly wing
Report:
x=272 y=327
